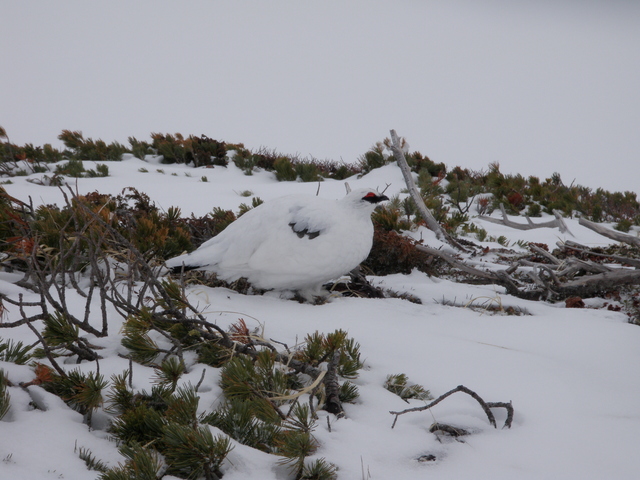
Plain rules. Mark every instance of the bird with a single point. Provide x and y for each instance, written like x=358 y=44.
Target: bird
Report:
x=291 y=243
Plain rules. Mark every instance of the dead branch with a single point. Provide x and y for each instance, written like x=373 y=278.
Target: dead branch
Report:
x=508 y=407
x=613 y=234
x=425 y=213
x=550 y=281
x=557 y=223
x=569 y=245
x=332 y=387
x=448 y=429
x=593 y=284
x=451 y=260
x=461 y=388
x=45 y=345
x=573 y=265
x=500 y=277
x=542 y=252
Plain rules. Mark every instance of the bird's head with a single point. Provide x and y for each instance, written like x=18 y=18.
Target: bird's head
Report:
x=365 y=197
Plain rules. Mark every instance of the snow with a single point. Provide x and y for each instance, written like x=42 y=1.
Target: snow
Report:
x=570 y=373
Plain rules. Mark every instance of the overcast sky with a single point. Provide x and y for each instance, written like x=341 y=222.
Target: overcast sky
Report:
x=538 y=86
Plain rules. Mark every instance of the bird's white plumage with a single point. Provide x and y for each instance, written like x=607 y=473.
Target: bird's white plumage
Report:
x=296 y=242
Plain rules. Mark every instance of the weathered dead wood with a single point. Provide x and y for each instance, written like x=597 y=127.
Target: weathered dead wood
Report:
x=461 y=388
x=591 y=284
x=569 y=245
x=584 y=286
x=425 y=213
x=448 y=429
x=613 y=234
x=574 y=265
x=501 y=277
x=332 y=387
x=557 y=223
x=546 y=278
x=542 y=252
x=457 y=263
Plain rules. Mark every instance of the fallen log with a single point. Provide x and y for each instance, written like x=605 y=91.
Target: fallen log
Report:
x=557 y=223
x=589 y=285
x=613 y=234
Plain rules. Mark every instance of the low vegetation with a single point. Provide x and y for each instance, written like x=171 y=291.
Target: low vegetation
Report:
x=453 y=194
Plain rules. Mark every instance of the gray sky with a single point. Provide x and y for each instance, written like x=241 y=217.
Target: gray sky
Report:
x=538 y=86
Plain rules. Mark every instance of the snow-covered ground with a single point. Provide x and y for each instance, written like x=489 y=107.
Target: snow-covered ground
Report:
x=572 y=374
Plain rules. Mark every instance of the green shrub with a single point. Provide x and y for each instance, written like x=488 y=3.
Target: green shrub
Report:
x=623 y=225
x=245 y=161
x=534 y=210
x=308 y=172
x=285 y=172
x=140 y=149
x=73 y=168
x=374 y=158
x=101 y=170
x=81 y=149
x=5 y=398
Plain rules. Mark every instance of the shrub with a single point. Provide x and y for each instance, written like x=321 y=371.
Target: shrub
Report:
x=102 y=170
x=5 y=398
x=140 y=149
x=534 y=210
x=308 y=172
x=81 y=149
x=245 y=161
x=285 y=172
x=201 y=151
x=73 y=168
x=374 y=158
x=623 y=225
x=393 y=253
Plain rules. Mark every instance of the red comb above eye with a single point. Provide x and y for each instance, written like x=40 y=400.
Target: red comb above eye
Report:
x=370 y=194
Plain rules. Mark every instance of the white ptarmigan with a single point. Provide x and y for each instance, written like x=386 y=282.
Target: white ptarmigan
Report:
x=295 y=242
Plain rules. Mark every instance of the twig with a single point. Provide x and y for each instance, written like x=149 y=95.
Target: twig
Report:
x=45 y=346
x=461 y=388
x=510 y=412
x=204 y=371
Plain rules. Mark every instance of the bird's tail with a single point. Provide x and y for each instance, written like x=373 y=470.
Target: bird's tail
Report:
x=182 y=268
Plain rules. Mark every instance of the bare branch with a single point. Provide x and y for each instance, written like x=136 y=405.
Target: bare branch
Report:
x=332 y=387
x=45 y=345
x=613 y=234
x=558 y=222
x=425 y=213
x=461 y=388
x=569 y=245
